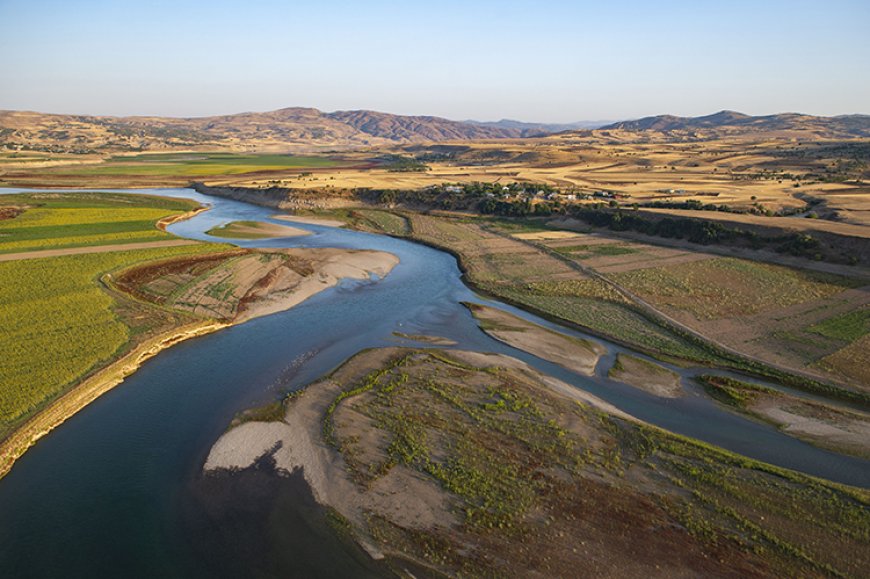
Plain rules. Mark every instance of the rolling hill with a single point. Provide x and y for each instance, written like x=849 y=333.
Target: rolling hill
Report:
x=285 y=129
x=731 y=122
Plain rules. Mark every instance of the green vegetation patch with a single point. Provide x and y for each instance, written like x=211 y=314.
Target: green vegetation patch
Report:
x=732 y=392
x=847 y=327
x=59 y=220
x=607 y=249
x=384 y=221
x=59 y=324
x=193 y=165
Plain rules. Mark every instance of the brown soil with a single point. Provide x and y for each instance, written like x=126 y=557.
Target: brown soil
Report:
x=10 y=212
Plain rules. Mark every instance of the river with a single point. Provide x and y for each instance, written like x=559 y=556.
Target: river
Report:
x=116 y=491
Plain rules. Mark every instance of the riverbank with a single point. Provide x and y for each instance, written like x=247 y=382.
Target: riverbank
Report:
x=56 y=413
x=327 y=268
x=386 y=442
x=108 y=328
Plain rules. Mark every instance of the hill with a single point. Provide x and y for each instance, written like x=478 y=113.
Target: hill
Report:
x=731 y=122
x=285 y=129
x=538 y=129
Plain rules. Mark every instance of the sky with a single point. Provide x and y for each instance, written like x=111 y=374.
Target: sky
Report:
x=542 y=61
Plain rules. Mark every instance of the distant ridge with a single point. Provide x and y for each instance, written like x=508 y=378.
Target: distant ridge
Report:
x=537 y=129
x=284 y=129
x=308 y=129
x=734 y=122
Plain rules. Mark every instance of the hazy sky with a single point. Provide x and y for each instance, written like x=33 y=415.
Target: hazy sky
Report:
x=544 y=61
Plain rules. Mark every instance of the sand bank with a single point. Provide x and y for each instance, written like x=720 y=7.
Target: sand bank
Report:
x=575 y=354
x=310 y=220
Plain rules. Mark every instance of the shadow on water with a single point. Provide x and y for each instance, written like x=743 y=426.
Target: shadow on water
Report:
x=257 y=523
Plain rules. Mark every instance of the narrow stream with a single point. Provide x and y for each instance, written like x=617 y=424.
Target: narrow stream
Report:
x=108 y=494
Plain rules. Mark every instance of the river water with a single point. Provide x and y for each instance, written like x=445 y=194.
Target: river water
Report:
x=117 y=490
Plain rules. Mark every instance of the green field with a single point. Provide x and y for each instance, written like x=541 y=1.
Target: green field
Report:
x=58 y=322
x=53 y=220
x=847 y=327
x=609 y=249
x=197 y=164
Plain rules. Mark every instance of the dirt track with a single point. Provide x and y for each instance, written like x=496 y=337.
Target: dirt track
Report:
x=94 y=249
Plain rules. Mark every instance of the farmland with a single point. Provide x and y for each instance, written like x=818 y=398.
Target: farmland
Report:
x=527 y=276
x=52 y=220
x=84 y=300
x=60 y=324
x=198 y=165
x=808 y=318
x=725 y=287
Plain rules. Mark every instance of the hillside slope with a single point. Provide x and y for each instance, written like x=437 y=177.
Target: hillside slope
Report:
x=730 y=122
x=285 y=129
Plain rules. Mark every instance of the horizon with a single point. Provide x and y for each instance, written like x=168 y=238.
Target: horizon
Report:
x=486 y=61
x=468 y=120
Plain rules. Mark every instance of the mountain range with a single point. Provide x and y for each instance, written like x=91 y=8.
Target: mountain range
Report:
x=538 y=129
x=285 y=129
x=309 y=129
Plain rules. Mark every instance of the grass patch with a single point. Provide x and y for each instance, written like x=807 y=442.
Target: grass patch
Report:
x=609 y=249
x=384 y=221
x=732 y=392
x=847 y=327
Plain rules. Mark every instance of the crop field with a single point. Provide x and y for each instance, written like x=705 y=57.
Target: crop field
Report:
x=59 y=324
x=601 y=249
x=201 y=165
x=51 y=220
x=727 y=287
x=528 y=276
